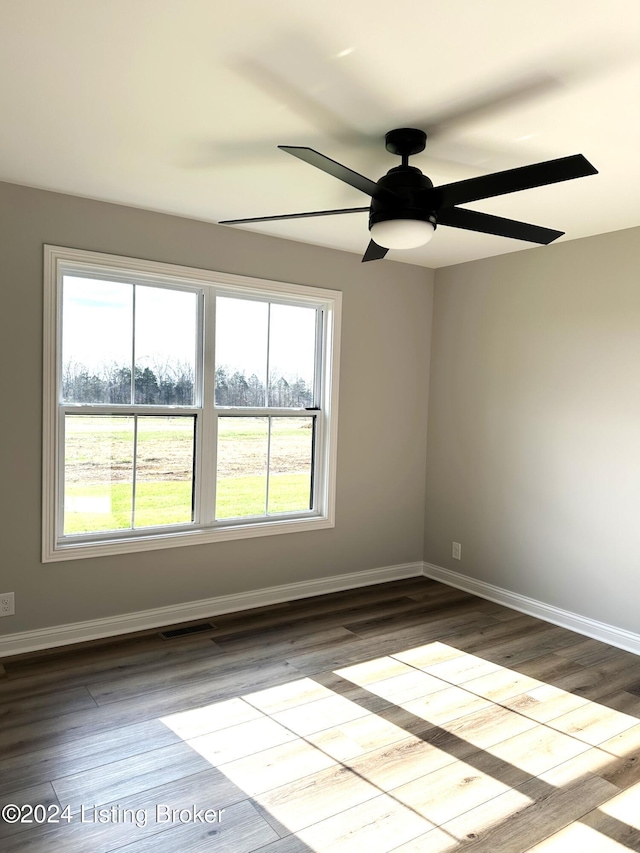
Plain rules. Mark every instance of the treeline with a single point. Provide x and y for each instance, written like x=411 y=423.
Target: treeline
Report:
x=112 y=384
x=175 y=387
x=236 y=389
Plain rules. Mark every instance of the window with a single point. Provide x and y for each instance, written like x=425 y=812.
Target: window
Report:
x=183 y=406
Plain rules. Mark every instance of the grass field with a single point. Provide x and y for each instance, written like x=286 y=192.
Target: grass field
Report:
x=99 y=453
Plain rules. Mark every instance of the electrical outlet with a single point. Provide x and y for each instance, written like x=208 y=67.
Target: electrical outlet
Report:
x=7 y=604
x=456 y=550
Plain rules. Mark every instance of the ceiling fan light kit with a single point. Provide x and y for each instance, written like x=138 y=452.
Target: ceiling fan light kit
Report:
x=402 y=233
x=406 y=208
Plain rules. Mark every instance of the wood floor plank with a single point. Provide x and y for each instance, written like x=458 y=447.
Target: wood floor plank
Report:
x=356 y=613
x=623 y=772
x=375 y=826
x=239 y=741
x=456 y=788
x=621 y=700
x=594 y=682
x=373 y=670
x=514 y=652
x=461 y=668
x=551 y=668
x=416 y=615
x=544 y=703
x=472 y=638
x=502 y=684
x=407 y=687
x=612 y=827
x=428 y=654
x=280 y=765
x=488 y=726
x=401 y=762
x=240 y=830
x=516 y=819
x=43 y=706
x=321 y=795
x=119 y=779
x=581 y=836
x=538 y=749
x=446 y=705
x=625 y=744
x=360 y=736
x=590 y=652
x=74 y=756
x=212 y=718
x=272 y=700
x=593 y=723
x=365 y=698
x=287 y=641
x=319 y=715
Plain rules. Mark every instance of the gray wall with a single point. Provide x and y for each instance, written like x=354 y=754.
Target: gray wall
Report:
x=533 y=457
x=382 y=419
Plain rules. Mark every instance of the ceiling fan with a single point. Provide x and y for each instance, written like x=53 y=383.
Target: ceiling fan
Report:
x=406 y=208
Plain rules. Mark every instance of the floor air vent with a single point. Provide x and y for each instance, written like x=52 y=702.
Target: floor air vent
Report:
x=181 y=632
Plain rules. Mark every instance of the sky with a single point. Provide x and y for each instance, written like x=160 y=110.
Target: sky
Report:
x=98 y=325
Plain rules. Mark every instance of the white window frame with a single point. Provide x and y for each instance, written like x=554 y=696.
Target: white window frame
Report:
x=59 y=261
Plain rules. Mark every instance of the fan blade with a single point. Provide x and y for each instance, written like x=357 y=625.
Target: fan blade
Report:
x=337 y=170
x=514 y=180
x=294 y=215
x=374 y=252
x=473 y=220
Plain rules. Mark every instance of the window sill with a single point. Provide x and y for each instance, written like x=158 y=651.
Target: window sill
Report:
x=68 y=550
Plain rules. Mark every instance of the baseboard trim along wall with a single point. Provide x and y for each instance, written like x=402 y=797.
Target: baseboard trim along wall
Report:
x=144 y=620
x=618 y=637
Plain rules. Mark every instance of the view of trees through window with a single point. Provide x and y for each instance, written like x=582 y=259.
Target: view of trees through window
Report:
x=173 y=385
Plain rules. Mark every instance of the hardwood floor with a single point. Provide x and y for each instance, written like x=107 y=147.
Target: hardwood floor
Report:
x=406 y=717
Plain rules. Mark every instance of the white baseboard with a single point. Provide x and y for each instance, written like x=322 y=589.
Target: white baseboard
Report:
x=618 y=637
x=94 y=629
x=144 y=620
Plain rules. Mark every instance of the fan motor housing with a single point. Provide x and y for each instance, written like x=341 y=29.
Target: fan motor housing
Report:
x=415 y=200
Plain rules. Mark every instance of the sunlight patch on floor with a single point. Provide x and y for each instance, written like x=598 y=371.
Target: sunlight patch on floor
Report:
x=342 y=777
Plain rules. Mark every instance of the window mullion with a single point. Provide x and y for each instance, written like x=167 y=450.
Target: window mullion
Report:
x=267 y=386
x=258 y=412
x=266 y=491
x=134 y=471
x=133 y=347
x=319 y=363
x=208 y=425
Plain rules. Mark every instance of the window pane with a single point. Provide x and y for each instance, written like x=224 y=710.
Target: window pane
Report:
x=292 y=347
x=290 y=464
x=97 y=318
x=165 y=343
x=242 y=467
x=165 y=450
x=241 y=352
x=98 y=473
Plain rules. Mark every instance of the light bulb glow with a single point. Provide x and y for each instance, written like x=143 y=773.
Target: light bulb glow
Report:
x=402 y=233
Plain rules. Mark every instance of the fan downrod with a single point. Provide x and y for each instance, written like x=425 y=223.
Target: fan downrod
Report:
x=405 y=141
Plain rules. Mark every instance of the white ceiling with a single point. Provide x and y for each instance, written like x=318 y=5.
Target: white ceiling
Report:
x=178 y=105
